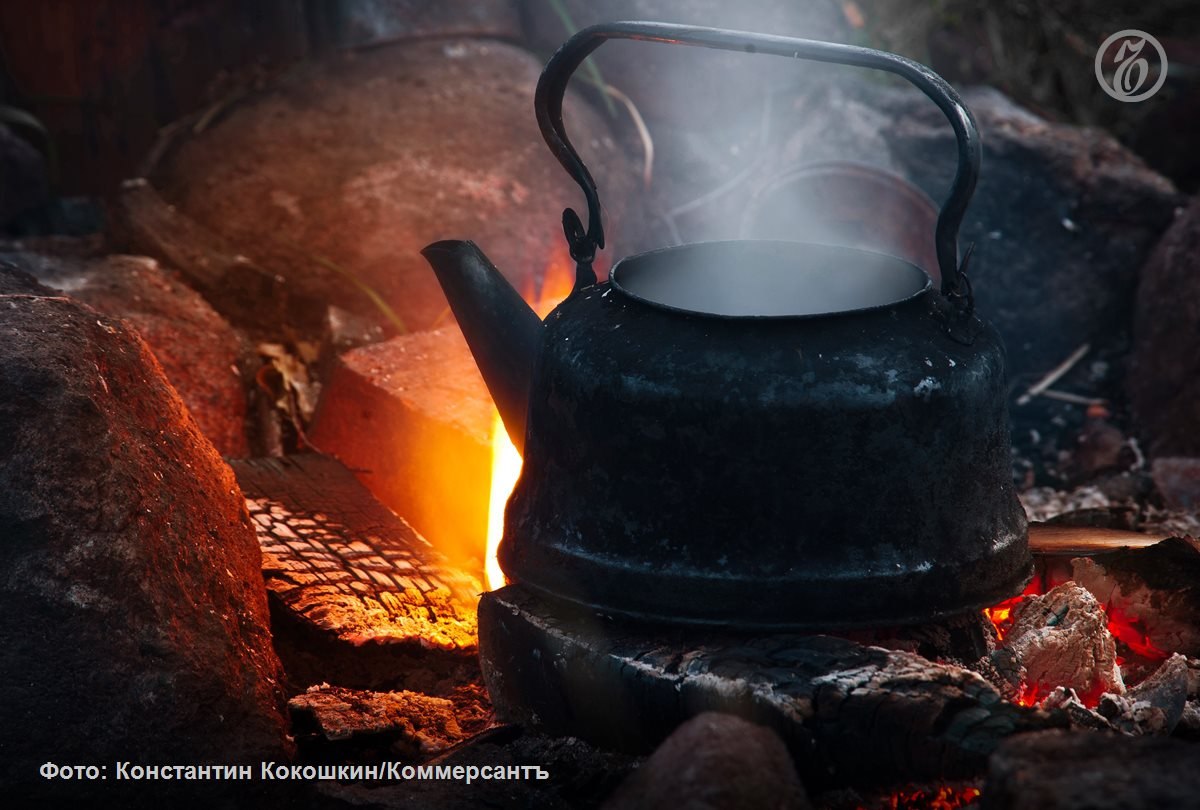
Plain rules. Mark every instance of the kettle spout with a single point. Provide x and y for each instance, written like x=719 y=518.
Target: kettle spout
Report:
x=502 y=331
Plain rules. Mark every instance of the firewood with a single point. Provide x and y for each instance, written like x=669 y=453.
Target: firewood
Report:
x=357 y=596
x=1045 y=538
x=1152 y=594
x=1061 y=638
x=403 y=723
x=848 y=713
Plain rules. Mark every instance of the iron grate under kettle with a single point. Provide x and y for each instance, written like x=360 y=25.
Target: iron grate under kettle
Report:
x=761 y=435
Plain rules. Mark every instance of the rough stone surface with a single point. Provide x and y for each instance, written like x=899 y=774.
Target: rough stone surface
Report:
x=373 y=22
x=335 y=177
x=133 y=617
x=197 y=349
x=1057 y=770
x=1164 y=374
x=413 y=419
x=714 y=762
x=1062 y=219
x=24 y=183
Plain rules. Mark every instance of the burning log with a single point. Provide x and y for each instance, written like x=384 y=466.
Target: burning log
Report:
x=1060 y=639
x=357 y=596
x=1154 y=594
x=413 y=418
x=848 y=713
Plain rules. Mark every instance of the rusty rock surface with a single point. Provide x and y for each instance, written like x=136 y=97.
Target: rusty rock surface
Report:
x=1164 y=374
x=335 y=177
x=133 y=616
x=197 y=349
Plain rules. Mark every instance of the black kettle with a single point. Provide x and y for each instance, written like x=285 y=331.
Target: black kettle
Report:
x=758 y=434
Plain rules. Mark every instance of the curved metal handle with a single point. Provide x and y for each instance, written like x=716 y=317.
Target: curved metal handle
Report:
x=552 y=86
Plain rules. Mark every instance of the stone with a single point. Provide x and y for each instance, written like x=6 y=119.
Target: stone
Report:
x=335 y=177
x=413 y=419
x=1062 y=219
x=133 y=616
x=359 y=23
x=1178 y=481
x=1164 y=373
x=24 y=182
x=197 y=349
x=1060 y=770
x=714 y=762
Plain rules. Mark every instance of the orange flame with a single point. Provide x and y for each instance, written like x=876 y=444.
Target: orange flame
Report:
x=941 y=797
x=556 y=284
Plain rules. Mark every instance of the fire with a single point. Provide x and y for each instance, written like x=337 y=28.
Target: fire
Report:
x=506 y=468
x=941 y=797
x=556 y=284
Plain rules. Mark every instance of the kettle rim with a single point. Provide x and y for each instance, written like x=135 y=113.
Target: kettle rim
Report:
x=633 y=277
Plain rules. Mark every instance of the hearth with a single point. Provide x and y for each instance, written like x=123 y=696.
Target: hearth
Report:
x=819 y=454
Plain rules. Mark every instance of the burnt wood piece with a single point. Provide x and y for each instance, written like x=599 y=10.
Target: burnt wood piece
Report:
x=357 y=596
x=1048 y=538
x=1061 y=638
x=1154 y=592
x=421 y=397
x=407 y=724
x=848 y=713
x=1056 y=769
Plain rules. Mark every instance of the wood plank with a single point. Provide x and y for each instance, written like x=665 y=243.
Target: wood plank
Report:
x=350 y=573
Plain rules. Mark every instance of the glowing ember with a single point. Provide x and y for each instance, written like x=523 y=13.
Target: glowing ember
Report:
x=942 y=797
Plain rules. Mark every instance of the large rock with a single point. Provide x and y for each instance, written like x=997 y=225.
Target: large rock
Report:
x=1064 y=770
x=197 y=349
x=1062 y=219
x=356 y=23
x=1164 y=375
x=335 y=177
x=24 y=181
x=133 y=616
x=714 y=762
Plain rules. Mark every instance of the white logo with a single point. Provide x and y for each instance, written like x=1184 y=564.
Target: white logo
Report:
x=1133 y=69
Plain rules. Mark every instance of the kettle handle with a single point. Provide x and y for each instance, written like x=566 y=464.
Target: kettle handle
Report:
x=552 y=86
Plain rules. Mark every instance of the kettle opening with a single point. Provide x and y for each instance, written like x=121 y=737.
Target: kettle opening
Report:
x=750 y=278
